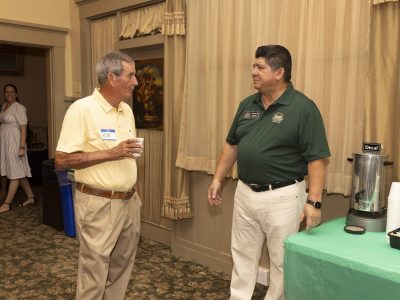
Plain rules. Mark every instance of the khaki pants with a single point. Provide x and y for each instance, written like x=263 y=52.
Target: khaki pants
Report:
x=108 y=232
x=273 y=215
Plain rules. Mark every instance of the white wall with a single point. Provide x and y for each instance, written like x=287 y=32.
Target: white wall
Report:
x=45 y=12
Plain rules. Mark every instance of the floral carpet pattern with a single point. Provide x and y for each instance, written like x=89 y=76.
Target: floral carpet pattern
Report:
x=40 y=262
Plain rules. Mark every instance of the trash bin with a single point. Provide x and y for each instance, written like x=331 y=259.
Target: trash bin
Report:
x=67 y=202
x=52 y=212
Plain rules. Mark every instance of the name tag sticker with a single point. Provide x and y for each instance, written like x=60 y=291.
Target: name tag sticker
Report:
x=108 y=134
x=251 y=115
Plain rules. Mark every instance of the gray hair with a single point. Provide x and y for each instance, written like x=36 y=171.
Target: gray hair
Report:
x=111 y=63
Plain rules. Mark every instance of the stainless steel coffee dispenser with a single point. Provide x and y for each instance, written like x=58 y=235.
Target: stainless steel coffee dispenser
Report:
x=368 y=198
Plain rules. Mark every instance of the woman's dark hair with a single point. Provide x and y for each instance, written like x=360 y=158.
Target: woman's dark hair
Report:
x=277 y=56
x=13 y=86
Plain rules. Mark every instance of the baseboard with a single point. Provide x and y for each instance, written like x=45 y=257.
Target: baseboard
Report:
x=217 y=261
x=156 y=233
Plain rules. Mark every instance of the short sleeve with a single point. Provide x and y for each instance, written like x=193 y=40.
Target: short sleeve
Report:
x=73 y=131
x=20 y=115
x=232 y=138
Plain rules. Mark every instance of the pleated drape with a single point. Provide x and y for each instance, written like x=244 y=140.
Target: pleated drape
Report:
x=176 y=203
x=383 y=98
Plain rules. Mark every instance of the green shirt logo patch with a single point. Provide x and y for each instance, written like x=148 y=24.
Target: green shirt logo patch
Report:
x=251 y=115
x=278 y=117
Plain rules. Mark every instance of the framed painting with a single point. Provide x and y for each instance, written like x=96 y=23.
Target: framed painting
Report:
x=148 y=95
x=11 y=60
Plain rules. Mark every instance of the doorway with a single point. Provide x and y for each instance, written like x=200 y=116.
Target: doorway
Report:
x=30 y=80
x=50 y=41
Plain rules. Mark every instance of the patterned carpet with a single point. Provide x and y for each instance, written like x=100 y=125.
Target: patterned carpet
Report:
x=40 y=262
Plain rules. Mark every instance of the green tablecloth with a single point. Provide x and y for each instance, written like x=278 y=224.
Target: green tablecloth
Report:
x=326 y=263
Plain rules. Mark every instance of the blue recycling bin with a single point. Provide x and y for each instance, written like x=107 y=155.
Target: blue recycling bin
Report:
x=67 y=203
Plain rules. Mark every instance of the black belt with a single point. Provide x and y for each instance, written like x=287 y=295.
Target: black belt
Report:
x=273 y=186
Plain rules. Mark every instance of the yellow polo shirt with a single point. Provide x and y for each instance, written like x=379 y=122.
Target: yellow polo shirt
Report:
x=92 y=124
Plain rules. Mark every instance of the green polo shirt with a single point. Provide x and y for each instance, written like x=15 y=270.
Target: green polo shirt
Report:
x=274 y=145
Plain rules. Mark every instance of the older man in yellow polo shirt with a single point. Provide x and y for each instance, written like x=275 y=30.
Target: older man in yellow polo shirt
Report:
x=98 y=140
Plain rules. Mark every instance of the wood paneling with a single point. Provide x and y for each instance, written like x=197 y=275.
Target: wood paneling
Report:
x=206 y=237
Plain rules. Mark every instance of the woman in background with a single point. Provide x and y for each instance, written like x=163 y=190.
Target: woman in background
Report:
x=13 y=155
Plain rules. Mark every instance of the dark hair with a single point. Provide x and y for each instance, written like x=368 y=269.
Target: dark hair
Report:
x=111 y=63
x=277 y=56
x=13 y=86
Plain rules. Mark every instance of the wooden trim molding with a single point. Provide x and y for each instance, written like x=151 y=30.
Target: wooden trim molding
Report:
x=53 y=38
x=94 y=8
x=218 y=261
x=153 y=41
x=32 y=34
x=33 y=26
x=156 y=233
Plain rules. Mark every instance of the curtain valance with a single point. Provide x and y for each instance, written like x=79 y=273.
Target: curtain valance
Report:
x=174 y=23
x=143 y=21
x=375 y=2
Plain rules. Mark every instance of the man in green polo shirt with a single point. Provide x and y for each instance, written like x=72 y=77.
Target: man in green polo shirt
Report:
x=277 y=137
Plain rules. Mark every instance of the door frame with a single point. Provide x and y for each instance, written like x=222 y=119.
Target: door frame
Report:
x=53 y=39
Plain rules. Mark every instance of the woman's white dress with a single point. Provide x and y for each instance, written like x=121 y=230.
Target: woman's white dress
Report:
x=12 y=165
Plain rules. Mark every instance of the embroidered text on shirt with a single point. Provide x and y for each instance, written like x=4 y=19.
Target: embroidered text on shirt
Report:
x=251 y=115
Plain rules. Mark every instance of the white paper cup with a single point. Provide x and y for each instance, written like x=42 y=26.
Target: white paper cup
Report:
x=393 y=209
x=138 y=140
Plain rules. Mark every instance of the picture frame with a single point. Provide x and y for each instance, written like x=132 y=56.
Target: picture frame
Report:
x=148 y=98
x=11 y=60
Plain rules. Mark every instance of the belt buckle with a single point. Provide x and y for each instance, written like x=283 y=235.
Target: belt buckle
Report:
x=258 y=187
x=254 y=187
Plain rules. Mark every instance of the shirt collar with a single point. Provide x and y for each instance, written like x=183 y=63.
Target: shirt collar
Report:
x=284 y=99
x=104 y=103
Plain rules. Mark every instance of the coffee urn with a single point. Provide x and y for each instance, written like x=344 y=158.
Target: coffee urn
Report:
x=367 y=200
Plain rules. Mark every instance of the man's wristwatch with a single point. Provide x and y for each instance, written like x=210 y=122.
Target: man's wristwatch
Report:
x=316 y=204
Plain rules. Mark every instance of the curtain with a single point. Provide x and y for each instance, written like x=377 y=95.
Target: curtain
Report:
x=218 y=74
x=149 y=167
x=328 y=41
x=176 y=203
x=142 y=21
x=383 y=99
x=383 y=1
x=103 y=40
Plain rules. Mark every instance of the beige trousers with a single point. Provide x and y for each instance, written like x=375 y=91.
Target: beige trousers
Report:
x=273 y=215
x=108 y=232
